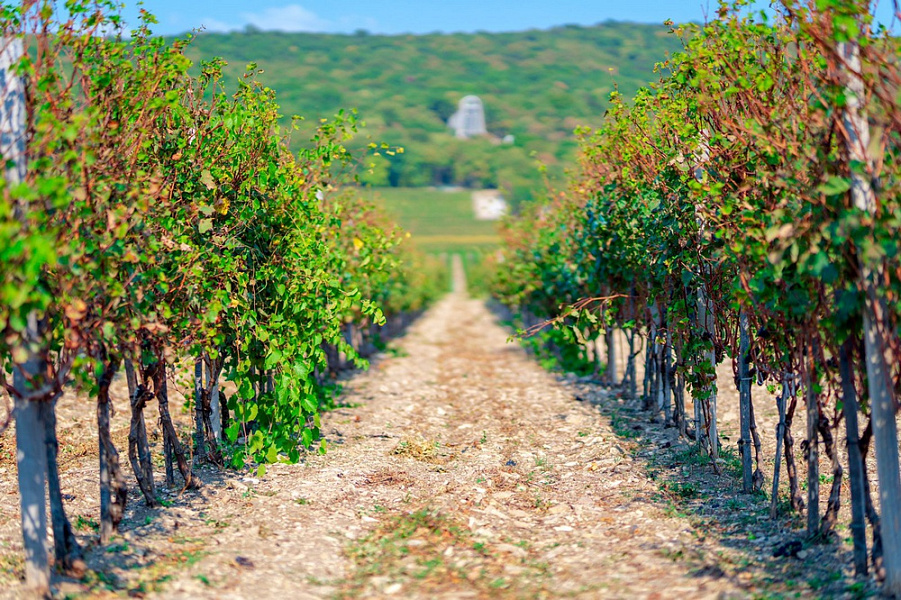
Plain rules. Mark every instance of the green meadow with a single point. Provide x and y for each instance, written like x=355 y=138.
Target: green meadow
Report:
x=439 y=221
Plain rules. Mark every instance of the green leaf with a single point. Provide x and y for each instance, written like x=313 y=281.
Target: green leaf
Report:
x=835 y=186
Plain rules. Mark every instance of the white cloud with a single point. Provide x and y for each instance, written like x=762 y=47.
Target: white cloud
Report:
x=292 y=17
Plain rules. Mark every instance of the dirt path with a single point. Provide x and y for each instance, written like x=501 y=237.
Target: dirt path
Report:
x=458 y=469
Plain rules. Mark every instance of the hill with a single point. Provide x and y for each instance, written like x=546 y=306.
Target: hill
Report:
x=536 y=85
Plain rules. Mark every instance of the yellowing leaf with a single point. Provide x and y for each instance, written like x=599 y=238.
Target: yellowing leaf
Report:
x=206 y=178
x=77 y=310
x=782 y=232
x=19 y=354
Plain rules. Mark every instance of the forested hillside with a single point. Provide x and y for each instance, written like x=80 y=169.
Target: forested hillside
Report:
x=536 y=85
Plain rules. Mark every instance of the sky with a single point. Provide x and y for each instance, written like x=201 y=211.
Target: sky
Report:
x=415 y=16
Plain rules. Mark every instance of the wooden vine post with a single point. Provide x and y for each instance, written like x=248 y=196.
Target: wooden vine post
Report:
x=199 y=431
x=707 y=322
x=882 y=401
x=744 y=398
x=31 y=456
x=855 y=460
x=813 y=451
x=780 y=440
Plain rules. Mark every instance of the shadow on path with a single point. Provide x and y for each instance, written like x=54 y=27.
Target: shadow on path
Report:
x=716 y=506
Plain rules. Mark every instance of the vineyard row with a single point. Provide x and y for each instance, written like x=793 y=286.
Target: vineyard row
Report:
x=747 y=206
x=151 y=216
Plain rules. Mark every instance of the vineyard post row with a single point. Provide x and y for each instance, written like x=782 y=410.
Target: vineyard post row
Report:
x=161 y=219
x=746 y=205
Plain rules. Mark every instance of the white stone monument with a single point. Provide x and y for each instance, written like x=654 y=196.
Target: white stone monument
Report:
x=469 y=120
x=488 y=205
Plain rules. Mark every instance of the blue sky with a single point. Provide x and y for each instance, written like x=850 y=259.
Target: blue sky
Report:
x=414 y=16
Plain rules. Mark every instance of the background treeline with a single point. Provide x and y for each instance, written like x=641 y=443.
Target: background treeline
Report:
x=746 y=207
x=154 y=223
x=536 y=85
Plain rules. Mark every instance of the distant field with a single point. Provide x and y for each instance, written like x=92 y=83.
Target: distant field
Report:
x=439 y=221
